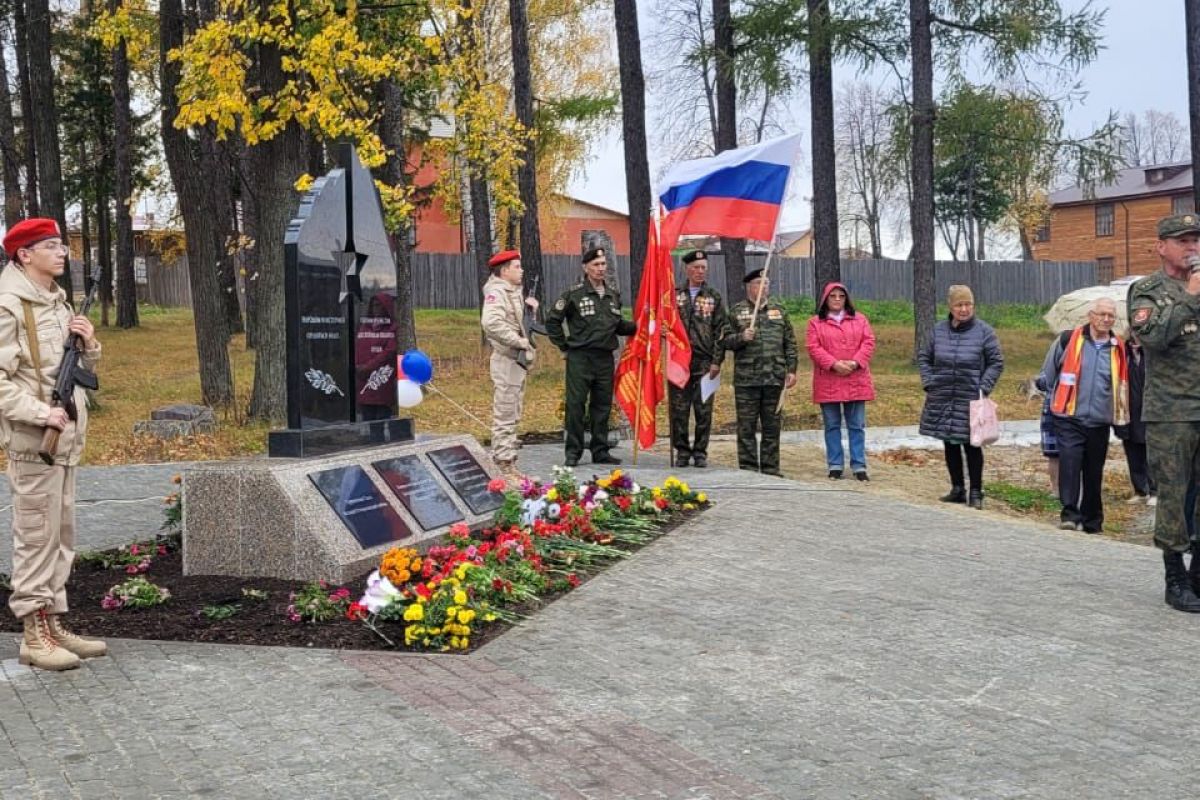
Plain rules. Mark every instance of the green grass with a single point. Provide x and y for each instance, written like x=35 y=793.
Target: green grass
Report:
x=1012 y=316
x=1023 y=499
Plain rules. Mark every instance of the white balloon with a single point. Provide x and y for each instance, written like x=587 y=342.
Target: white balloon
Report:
x=408 y=394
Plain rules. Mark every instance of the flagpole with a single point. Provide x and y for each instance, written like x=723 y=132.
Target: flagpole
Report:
x=771 y=248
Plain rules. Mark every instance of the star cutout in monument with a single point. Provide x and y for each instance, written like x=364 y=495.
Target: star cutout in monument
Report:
x=349 y=263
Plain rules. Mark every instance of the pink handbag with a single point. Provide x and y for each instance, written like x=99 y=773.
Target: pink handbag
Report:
x=985 y=424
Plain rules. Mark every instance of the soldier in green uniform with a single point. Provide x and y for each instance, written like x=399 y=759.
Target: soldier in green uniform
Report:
x=592 y=312
x=764 y=363
x=1164 y=315
x=704 y=317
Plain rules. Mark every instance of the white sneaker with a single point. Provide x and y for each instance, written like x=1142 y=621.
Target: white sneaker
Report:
x=1135 y=500
x=1152 y=500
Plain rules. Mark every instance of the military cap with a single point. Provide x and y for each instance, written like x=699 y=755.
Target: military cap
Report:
x=752 y=274
x=593 y=254
x=503 y=257
x=29 y=232
x=694 y=255
x=1178 y=225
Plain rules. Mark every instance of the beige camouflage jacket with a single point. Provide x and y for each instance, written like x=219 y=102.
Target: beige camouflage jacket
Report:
x=23 y=409
x=503 y=317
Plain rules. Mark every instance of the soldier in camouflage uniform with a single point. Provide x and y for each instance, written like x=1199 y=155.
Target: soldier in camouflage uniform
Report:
x=707 y=324
x=503 y=321
x=592 y=312
x=1164 y=315
x=764 y=363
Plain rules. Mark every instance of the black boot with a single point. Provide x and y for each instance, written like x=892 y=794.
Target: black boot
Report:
x=975 y=500
x=958 y=494
x=1194 y=569
x=1179 y=594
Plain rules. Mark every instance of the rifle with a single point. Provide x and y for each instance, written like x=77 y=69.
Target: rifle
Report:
x=531 y=325
x=70 y=375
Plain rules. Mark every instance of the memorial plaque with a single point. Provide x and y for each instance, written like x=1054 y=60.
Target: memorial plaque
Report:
x=420 y=492
x=360 y=505
x=468 y=478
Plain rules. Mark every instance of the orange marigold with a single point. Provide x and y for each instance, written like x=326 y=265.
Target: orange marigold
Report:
x=399 y=565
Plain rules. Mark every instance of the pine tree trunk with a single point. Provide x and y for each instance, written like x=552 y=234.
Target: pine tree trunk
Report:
x=85 y=233
x=10 y=167
x=127 y=310
x=45 y=122
x=826 y=255
x=734 y=249
x=924 y=288
x=391 y=123
x=205 y=219
x=221 y=155
x=274 y=166
x=32 y=207
x=531 y=237
x=104 y=245
x=1192 y=28
x=249 y=237
x=633 y=129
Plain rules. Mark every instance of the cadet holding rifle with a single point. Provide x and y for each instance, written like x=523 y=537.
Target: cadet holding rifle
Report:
x=43 y=494
x=503 y=323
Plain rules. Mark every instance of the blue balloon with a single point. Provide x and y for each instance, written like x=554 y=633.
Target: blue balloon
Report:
x=417 y=367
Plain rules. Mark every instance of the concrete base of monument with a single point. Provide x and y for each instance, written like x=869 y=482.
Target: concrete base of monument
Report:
x=328 y=439
x=331 y=517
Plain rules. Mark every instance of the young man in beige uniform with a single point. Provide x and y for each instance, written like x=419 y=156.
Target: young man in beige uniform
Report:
x=503 y=323
x=43 y=495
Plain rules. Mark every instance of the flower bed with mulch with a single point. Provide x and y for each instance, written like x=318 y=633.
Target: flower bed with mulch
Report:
x=546 y=539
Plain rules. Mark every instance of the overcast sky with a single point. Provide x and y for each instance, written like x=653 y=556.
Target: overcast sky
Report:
x=1142 y=65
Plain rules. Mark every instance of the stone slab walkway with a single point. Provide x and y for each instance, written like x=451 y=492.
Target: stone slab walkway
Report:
x=793 y=642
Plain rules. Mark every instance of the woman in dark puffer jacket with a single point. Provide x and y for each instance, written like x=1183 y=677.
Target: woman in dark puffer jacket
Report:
x=961 y=359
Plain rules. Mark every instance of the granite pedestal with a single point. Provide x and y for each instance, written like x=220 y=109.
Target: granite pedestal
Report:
x=331 y=517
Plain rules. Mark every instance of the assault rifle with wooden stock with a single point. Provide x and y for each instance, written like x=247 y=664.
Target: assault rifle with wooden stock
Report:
x=70 y=374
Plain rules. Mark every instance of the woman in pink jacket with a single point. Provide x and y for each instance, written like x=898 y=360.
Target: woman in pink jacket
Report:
x=840 y=344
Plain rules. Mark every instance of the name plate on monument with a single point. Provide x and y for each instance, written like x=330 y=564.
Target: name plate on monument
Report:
x=420 y=492
x=467 y=476
x=358 y=503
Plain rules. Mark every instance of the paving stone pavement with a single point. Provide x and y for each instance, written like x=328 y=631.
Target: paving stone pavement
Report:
x=795 y=641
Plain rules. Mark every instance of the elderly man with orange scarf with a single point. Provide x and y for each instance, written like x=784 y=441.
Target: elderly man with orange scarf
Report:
x=1088 y=377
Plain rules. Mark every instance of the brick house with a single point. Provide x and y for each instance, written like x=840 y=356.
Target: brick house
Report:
x=1116 y=224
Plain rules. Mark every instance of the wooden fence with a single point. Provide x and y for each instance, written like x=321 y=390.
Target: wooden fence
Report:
x=451 y=281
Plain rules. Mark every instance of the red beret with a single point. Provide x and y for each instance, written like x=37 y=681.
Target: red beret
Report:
x=28 y=232
x=503 y=257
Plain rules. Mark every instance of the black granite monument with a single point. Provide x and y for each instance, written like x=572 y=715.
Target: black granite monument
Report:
x=339 y=291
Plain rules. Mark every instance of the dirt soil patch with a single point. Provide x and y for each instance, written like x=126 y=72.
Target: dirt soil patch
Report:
x=256 y=621
x=1016 y=483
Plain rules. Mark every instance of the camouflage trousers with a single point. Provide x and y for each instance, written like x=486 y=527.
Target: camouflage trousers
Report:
x=1174 y=453
x=756 y=411
x=685 y=402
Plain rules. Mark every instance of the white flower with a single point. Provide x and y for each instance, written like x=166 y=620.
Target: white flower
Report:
x=600 y=496
x=531 y=510
x=553 y=511
x=380 y=593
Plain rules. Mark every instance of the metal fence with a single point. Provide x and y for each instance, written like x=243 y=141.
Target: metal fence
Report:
x=443 y=280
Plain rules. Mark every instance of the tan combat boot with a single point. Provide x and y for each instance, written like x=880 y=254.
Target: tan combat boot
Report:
x=513 y=475
x=84 y=648
x=40 y=649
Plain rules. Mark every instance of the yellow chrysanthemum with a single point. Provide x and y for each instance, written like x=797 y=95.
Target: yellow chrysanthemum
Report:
x=460 y=598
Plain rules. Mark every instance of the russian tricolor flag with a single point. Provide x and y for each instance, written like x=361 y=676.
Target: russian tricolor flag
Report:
x=737 y=193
